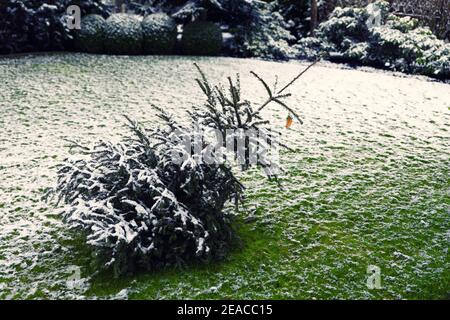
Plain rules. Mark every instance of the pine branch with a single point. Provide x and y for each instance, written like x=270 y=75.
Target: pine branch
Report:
x=298 y=76
x=266 y=86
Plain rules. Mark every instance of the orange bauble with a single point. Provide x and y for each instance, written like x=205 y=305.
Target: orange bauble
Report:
x=289 y=121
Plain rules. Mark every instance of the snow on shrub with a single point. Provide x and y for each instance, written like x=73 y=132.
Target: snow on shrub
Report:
x=265 y=36
x=312 y=48
x=160 y=34
x=202 y=38
x=142 y=210
x=403 y=24
x=30 y=25
x=416 y=51
x=256 y=28
x=397 y=44
x=392 y=48
x=344 y=24
x=123 y=34
x=357 y=52
x=90 y=37
x=435 y=62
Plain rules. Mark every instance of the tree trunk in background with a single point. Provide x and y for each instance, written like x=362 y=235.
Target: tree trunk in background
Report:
x=313 y=17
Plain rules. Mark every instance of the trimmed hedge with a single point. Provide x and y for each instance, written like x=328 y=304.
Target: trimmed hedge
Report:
x=123 y=34
x=90 y=38
x=160 y=34
x=202 y=38
x=30 y=25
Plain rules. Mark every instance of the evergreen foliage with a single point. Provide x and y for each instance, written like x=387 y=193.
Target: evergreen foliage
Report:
x=264 y=35
x=148 y=202
x=257 y=27
x=202 y=38
x=90 y=37
x=297 y=14
x=140 y=209
x=230 y=12
x=32 y=25
x=398 y=43
x=123 y=34
x=226 y=111
x=160 y=34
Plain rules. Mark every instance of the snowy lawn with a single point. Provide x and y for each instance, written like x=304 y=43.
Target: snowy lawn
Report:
x=369 y=183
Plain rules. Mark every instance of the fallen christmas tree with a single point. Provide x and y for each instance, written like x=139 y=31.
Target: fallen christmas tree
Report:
x=149 y=202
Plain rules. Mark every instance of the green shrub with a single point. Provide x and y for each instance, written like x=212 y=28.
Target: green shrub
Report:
x=357 y=52
x=31 y=25
x=416 y=51
x=403 y=24
x=398 y=44
x=160 y=34
x=123 y=34
x=90 y=37
x=202 y=38
x=347 y=26
x=266 y=35
x=436 y=62
x=386 y=42
x=345 y=23
x=311 y=48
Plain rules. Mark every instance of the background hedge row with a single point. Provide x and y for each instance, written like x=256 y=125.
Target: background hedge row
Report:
x=277 y=29
x=155 y=34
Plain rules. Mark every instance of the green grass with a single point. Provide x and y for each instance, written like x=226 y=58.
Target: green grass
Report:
x=319 y=245
x=363 y=189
